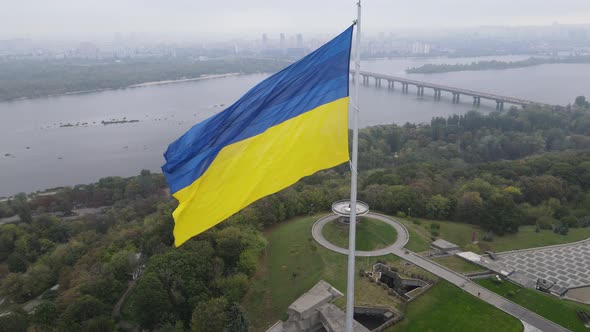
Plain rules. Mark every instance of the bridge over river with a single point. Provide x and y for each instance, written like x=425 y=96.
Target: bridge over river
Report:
x=438 y=89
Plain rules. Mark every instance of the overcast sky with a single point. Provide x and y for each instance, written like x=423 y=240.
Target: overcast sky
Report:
x=247 y=18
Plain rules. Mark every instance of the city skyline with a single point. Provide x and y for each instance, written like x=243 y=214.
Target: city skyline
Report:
x=63 y=19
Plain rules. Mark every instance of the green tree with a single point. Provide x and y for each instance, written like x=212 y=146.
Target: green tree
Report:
x=438 y=207
x=150 y=300
x=469 y=207
x=234 y=287
x=21 y=205
x=581 y=101
x=237 y=321
x=501 y=215
x=99 y=324
x=540 y=188
x=17 y=263
x=210 y=316
x=17 y=321
x=85 y=308
x=45 y=315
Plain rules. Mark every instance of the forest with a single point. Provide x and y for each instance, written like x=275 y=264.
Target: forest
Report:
x=36 y=78
x=493 y=65
x=499 y=170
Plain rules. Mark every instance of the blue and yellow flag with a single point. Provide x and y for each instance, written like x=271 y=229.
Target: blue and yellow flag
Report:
x=289 y=126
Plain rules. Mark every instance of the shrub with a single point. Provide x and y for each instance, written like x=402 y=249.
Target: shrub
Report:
x=361 y=273
x=546 y=222
x=570 y=221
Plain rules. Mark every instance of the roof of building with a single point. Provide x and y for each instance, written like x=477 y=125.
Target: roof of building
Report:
x=442 y=244
x=319 y=294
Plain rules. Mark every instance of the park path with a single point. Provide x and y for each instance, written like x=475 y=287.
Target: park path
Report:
x=511 y=308
x=400 y=241
x=124 y=325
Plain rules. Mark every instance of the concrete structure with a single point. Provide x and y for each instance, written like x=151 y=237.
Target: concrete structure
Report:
x=530 y=319
x=402 y=286
x=313 y=311
x=445 y=246
x=437 y=88
x=342 y=209
x=581 y=294
x=563 y=267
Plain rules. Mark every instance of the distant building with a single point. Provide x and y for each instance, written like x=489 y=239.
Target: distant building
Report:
x=299 y=40
x=420 y=48
x=87 y=50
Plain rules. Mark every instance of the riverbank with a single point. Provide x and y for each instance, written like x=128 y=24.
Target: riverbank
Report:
x=27 y=79
x=140 y=85
x=494 y=65
x=200 y=78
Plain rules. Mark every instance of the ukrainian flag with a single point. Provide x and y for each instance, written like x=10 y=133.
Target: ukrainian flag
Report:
x=289 y=126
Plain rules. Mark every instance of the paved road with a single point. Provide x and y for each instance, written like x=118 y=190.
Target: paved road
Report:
x=457 y=279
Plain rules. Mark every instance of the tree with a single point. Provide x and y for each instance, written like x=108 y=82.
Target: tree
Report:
x=150 y=300
x=99 y=324
x=20 y=204
x=85 y=308
x=232 y=241
x=210 y=316
x=540 y=188
x=581 y=101
x=484 y=188
x=237 y=321
x=17 y=263
x=45 y=315
x=500 y=214
x=17 y=321
x=469 y=207
x=438 y=207
x=234 y=287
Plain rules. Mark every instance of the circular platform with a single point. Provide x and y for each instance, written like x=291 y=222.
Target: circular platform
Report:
x=402 y=236
x=342 y=208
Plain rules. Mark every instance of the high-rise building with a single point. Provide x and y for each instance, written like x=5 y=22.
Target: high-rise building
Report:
x=299 y=40
x=282 y=41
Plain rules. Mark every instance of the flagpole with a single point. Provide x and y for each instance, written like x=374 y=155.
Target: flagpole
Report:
x=353 y=178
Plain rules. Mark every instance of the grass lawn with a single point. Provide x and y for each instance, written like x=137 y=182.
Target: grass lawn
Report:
x=458 y=264
x=561 y=312
x=292 y=264
x=460 y=234
x=419 y=237
x=371 y=234
x=447 y=308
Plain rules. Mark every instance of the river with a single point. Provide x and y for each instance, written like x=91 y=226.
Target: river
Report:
x=36 y=153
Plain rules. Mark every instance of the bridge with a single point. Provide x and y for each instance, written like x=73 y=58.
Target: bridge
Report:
x=438 y=89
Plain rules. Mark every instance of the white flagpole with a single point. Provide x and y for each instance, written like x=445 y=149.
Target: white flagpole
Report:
x=353 y=179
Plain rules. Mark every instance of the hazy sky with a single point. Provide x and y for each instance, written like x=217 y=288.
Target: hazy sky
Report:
x=243 y=18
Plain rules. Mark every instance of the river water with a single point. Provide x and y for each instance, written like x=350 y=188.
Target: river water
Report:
x=36 y=153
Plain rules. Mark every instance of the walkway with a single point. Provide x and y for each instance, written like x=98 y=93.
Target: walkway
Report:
x=400 y=242
x=449 y=275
